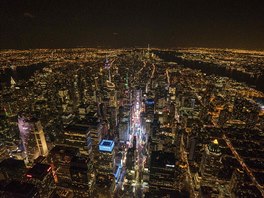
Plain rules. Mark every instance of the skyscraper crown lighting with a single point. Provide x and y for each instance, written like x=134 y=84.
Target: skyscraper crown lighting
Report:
x=106 y=145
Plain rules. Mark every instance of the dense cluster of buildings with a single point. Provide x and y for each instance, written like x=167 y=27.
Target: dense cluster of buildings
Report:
x=241 y=65
x=241 y=60
x=126 y=123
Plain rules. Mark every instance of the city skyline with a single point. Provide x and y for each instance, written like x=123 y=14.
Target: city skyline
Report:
x=131 y=99
x=145 y=122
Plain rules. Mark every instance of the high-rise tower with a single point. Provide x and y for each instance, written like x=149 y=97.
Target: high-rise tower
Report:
x=32 y=136
x=211 y=161
x=107 y=66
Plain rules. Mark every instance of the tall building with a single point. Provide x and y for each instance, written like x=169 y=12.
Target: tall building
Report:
x=96 y=130
x=162 y=173
x=79 y=136
x=41 y=176
x=60 y=161
x=112 y=117
x=107 y=66
x=123 y=129
x=106 y=159
x=33 y=138
x=149 y=109
x=124 y=124
x=82 y=176
x=210 y=163
x=105 y=169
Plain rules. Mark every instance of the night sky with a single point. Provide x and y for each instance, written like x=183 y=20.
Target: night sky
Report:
x=131 y=23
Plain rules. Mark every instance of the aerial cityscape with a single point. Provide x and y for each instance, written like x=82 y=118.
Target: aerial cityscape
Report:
x=131 y=99
x=131 y=123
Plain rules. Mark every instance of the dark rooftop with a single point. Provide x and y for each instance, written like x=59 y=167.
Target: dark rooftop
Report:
x=72 y=151
x=12 y=163
x=38 y=171
x=77 y=129
x=161 y=159
x=20 y=190
x=79 y=163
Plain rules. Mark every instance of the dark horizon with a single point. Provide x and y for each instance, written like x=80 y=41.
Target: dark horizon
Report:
x=124 y=24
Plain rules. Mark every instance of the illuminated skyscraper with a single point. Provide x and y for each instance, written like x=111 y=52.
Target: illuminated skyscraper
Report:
x=106 y=160
x=33 y=138
x=211 y=161
x=105 y=169
x=107 y=66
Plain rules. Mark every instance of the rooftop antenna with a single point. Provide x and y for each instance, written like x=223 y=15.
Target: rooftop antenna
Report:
x=148 y=48
x=148 y=54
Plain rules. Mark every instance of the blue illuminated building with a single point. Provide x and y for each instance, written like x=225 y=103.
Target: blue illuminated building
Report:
x=105 y=161
x=106 y=146
x=117 y=172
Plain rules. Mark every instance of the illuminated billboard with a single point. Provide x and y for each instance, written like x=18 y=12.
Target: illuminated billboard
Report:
x=106 y=145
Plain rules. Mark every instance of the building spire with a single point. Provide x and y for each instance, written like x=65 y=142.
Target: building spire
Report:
x=12 y=82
